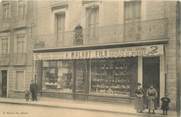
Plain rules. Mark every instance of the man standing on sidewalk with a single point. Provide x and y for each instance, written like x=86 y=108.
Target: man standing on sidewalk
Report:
x=33 y=90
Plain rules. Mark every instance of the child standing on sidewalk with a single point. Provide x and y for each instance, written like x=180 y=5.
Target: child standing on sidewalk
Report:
x=165 y=104
x=27 y=95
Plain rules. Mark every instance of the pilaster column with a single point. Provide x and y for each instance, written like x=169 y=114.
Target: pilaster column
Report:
x=162 y=76
x=140 y=69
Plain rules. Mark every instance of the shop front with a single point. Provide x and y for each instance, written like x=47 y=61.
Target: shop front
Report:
x=90 y=73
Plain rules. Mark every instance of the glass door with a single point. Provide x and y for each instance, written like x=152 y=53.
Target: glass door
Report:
x=151 y=74
x=81 y=78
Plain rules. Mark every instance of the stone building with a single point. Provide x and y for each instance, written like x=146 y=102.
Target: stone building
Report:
x=16 y=20
x=121 y=43
x=98 y=50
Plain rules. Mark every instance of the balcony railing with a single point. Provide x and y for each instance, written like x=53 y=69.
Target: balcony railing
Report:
x=19 y=22
x=19 y=58
x=4 y=59
x=129 y=32
x=5 y=24
x=15 y=22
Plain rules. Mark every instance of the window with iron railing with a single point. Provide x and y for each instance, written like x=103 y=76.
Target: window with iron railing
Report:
x=78 y=35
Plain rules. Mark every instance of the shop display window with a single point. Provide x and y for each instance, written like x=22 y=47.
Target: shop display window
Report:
x=57 y=76
x=111 y=77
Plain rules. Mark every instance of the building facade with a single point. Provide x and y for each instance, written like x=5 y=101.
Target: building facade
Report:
x=16 y=18
x=97 y=50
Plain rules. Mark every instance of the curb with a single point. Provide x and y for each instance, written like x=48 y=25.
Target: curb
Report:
x=84 y=109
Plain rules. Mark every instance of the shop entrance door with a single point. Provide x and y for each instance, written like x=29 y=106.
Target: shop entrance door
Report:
x=81 y=77
x=151 y=74
x=3 y=83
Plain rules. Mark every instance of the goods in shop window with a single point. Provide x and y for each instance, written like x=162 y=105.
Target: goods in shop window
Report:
x=116 y=67
x=102 y=91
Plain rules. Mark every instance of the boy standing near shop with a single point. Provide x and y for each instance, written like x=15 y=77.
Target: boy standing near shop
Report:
x=165 y=104
x=27 y=95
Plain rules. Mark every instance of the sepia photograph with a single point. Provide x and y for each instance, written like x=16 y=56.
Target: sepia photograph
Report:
x=90 y=58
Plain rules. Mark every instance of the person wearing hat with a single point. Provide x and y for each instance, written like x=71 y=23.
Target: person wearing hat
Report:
x=151 y=94
x=33 y=90
x=139 y=92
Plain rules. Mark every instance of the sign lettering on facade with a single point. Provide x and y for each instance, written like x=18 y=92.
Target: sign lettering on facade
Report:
x=153 y=50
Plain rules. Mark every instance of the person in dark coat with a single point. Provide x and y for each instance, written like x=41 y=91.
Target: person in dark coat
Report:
x=165 y=104
x=33 y=90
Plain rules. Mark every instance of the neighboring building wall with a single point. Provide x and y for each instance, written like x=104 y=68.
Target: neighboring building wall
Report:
x=170 y=12
x=18 y=27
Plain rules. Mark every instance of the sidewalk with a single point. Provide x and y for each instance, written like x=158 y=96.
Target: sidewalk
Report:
x=123 y=108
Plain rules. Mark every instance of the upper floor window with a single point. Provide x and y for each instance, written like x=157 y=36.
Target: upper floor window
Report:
x=20 y=43
x=92 y=16
x=92 y=20
x=132 y=10
x=21 y=8
x=6 y=10
x=60 y=25
x=4 y=45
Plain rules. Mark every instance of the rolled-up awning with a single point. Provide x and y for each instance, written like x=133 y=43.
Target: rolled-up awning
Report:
x=149 y=50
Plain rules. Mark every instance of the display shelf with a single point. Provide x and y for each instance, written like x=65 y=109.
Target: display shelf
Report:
x=50 y=83
x=111 y=83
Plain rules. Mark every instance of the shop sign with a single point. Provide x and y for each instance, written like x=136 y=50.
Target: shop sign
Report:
x=153 y=50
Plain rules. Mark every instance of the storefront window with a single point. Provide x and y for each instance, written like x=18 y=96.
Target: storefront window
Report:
x=57 y=76
x=112 y=77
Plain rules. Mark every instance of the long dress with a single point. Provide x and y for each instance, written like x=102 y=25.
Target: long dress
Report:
x=151 y=96
x=139 y=105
